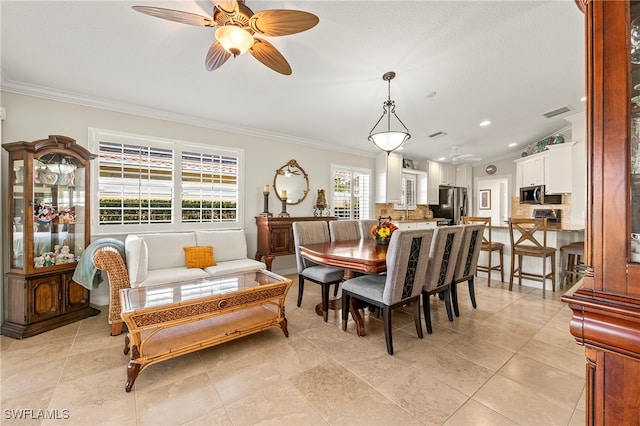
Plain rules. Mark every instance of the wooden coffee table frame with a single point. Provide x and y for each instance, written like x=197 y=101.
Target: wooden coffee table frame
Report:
x=163 y=332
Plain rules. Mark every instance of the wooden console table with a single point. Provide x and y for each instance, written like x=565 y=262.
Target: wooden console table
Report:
x=275 y=236
x=169 y=320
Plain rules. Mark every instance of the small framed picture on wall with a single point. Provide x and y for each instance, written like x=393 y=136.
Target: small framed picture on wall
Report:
x=485 y=199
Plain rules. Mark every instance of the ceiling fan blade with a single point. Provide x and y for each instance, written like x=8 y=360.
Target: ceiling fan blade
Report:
x=216 y=56
x=466 y=155
x=227 y=6
x=280 y=22
x=176 y=15
x=266 y=53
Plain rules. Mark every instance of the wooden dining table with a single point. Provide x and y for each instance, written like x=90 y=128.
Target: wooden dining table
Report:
x=363 y=256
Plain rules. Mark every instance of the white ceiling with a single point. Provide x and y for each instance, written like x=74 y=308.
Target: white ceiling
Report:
x=505 y=61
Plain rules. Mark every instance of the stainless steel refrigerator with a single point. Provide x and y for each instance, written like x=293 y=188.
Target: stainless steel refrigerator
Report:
x=454 y=204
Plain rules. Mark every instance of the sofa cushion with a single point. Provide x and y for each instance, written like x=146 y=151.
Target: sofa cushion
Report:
x=165 y=250
x=171 y=275
x=199 y=256
x=233 y=266
x=227 y=244
x=137 y=259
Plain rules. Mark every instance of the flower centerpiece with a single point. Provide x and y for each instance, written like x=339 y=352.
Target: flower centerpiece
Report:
x=383 y=230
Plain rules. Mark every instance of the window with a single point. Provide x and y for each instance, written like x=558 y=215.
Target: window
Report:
x=157 y=184
x=408 y=193
x=351 y=192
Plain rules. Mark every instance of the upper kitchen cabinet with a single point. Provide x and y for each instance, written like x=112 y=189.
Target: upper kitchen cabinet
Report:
x=432 y=193
x=447 y=174
x=606 y=306
x=464 y=176
x=552 y=168
x=388 y=178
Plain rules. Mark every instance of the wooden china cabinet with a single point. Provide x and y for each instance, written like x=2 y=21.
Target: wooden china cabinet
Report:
x=48 y=230
x=606 y=306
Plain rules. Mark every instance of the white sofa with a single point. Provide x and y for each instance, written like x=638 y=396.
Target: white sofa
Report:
x=154 y=259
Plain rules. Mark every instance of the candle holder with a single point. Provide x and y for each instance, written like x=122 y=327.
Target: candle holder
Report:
x=284 y=213
x=266 y=212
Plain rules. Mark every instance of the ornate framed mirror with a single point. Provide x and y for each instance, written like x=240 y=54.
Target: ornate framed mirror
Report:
x=292 y=180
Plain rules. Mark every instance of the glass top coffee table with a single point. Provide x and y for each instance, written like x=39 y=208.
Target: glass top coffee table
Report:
x=169 y=320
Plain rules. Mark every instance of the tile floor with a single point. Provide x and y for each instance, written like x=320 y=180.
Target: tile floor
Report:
x=512 y=361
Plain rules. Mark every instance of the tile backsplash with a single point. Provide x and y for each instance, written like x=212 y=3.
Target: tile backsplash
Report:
x=526 y=210
x=386 y=210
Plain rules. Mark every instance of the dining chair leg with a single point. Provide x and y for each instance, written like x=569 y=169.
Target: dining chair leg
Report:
x=386 y=313
x=300 y=289
x=416 y=317
x=427 y=312
x=325 y=301
x=346 y=298
x=472 y=293
x=454 y=298
x=447 y=303
x=335 y=290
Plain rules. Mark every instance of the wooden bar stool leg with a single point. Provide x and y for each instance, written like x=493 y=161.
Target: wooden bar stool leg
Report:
x=501 y=264
x=489 y=268
x=553 y=272
x=544 y=276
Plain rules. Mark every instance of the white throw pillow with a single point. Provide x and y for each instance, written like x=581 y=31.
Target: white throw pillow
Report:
x=137 y=256
x=227 y=244
x=166 y=250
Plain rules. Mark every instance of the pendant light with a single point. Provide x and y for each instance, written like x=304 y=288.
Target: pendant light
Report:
x=387 y=139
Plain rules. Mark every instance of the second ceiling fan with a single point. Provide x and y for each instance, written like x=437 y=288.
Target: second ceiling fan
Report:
x=236 y=26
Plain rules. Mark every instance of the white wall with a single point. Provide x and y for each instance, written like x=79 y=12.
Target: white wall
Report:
x=30 y=118
x=499 y=185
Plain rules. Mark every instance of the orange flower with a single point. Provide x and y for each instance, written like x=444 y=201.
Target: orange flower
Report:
x=383 y=230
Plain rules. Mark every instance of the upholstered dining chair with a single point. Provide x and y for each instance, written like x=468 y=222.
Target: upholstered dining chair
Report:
x=344 y=230
x=470 y=244
x=525 y=234
x=442 y=262
x=489 y=246
x=365 y=226
x=311 y=232
x=407 y=259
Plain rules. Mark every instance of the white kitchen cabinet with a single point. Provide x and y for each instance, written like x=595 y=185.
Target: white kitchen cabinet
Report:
x=464 y=176
x=416 y=225
x=432 y=193
x=447 y=174
x=409 y=192
x=559 y=170
x=388 y=178
x=531 y=171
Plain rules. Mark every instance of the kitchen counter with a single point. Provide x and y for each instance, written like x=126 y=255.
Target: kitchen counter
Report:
x=431 y=219
x=565 y=227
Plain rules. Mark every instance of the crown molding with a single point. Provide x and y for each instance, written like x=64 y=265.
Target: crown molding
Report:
x=25 y=89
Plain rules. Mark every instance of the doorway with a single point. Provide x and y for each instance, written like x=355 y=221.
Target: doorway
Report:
x=492 y=198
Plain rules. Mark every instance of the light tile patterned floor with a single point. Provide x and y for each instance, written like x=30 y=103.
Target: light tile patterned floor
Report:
x=512 y=361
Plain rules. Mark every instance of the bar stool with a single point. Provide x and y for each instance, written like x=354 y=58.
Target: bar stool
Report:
x=487 y=245
x=527 y=245
x=572 y=266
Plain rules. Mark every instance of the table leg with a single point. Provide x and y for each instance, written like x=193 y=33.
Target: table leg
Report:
x=336 y=303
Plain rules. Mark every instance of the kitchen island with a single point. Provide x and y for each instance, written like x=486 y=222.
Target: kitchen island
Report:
x=558 y=235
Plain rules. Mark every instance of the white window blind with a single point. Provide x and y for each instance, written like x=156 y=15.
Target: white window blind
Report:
x=351 y=193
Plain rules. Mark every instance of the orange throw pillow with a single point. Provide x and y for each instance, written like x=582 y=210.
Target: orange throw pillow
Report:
x=199 y=256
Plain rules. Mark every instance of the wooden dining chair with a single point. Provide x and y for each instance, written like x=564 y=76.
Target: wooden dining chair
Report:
x=489 y=246
x=466 y=264
x=311 y=232
x=407 y=259
x=522 y=232
x=442 y=262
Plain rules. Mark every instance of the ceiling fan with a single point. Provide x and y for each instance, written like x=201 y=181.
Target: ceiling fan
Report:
x=456 y=158
x=236 y=25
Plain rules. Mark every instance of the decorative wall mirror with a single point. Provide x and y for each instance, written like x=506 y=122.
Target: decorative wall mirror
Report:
x=292 y=180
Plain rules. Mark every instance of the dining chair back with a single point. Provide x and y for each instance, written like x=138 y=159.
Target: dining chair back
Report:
x=407 y=260
x=525 y=241
x=470 y=244
x=365 y=226
x=489 y=246
x=311 y=232
x=344 y=230
x=442 y=261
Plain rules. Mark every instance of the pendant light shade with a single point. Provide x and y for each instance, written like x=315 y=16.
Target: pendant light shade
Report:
x=384 y=138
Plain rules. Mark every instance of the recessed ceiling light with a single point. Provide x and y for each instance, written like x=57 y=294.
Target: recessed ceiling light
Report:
x=442 y=158
x=584 y=98
x=485 y=123
x=512 y=144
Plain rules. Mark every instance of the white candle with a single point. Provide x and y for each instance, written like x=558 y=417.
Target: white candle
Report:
x=266 y=188
x=284 y=193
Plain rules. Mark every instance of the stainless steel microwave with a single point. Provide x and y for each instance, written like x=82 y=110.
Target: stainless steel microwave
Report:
x=532 y=194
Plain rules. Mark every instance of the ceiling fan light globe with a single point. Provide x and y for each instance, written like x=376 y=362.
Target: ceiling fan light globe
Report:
x=389 y=141
x=235 y=40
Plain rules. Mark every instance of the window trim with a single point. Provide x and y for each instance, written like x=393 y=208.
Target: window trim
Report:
x=178 y=146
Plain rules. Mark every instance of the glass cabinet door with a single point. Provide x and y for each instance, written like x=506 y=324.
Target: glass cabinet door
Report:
x=634 y=67
x=17 y=214
x=58 y=209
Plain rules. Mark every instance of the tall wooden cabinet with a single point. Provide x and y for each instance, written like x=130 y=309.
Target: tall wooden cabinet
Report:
x=48 y=230
x=606 y=307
